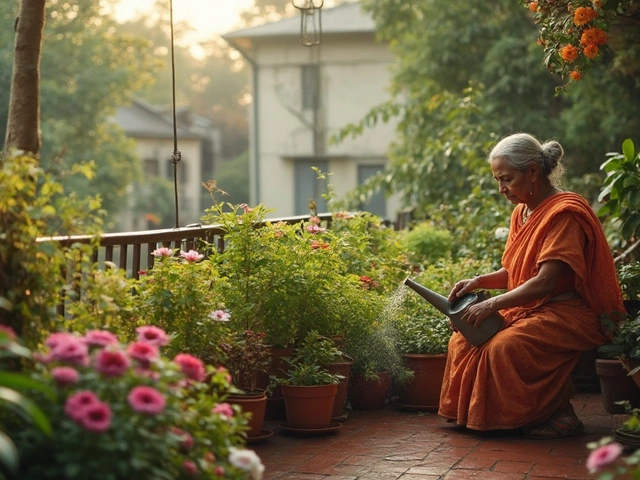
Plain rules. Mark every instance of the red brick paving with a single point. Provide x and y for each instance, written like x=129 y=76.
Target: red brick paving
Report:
x=395 y=445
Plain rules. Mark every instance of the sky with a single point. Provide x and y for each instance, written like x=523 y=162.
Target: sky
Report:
x=208 y=17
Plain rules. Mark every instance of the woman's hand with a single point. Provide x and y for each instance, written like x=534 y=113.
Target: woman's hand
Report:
x=477 y=312
x=463 y=286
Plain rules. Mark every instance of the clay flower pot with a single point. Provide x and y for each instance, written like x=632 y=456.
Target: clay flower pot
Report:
x=309 y=407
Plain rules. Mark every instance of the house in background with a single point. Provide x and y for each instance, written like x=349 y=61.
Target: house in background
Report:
x=302 y=96
x=151 y=201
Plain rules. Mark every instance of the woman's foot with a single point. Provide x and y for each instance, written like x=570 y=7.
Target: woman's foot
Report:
x=563 y=424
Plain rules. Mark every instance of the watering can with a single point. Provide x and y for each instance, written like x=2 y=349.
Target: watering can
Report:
x=455 y=310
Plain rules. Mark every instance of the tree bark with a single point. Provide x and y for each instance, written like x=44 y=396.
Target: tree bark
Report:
x=23 y=123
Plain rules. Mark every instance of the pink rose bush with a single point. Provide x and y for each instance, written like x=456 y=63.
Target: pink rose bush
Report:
x=175 y=297
x=123 y=411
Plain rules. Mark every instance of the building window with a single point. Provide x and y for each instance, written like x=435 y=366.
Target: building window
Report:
x=377 y=204
x=308 y=187
x=310 y=86
x=151 y=167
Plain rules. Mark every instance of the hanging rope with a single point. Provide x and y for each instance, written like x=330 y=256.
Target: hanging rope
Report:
x=176 y=156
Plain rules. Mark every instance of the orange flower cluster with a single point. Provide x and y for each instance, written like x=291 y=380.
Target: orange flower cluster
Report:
x=590 y=39
x=569 y=53
x=584 y=15
x=533 y=6
x=575 y=75
x=593 y=36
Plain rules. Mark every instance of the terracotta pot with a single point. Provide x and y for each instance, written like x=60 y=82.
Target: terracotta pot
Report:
x=309 y=407
x=277 y=367
x=255 y=404
x=616 y=386
x=423 y=390
x=369 y=394
x=343 y=368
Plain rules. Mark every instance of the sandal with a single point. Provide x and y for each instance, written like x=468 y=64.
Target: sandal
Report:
x=557 y=427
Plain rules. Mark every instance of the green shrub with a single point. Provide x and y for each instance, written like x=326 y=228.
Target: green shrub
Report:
x=425 y=244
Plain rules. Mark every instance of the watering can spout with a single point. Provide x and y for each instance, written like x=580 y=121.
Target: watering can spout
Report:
x=435 y=299
x=455 y=310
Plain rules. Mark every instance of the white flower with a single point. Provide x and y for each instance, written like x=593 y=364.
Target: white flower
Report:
x=220 y=316
x=502 y=233
x=248 y=461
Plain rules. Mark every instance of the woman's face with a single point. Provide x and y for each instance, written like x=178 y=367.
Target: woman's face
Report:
x=513 y=184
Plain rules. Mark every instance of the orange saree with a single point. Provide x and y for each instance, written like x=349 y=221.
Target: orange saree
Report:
x=522 y=375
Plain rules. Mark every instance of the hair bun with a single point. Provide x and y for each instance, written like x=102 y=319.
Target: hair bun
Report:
x=552 y=152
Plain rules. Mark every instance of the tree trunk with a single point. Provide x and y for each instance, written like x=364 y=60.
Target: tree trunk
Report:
x=23 y=123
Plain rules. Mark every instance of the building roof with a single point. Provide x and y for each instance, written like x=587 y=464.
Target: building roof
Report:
x=345 y=18
x=141 y=119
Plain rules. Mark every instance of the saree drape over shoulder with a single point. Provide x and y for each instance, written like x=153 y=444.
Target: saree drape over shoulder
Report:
x=522 y=375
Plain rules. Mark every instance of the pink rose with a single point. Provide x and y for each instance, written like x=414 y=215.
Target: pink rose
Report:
x=100 y=338
x=154 y=335
x=146 y=400
x=95 y=417
x=112 y=363
x=191 y=256
x=79 y=401
x=189 y=467
x=162 y=252
x=144 y=353
x=71 y=349
x=65 y=376
x=223 y=409
x=191 y=366
x=603 y=456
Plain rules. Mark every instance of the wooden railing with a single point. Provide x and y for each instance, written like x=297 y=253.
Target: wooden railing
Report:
x=132 y=251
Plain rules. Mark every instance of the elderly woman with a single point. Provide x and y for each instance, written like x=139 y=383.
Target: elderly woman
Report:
x=559 y=277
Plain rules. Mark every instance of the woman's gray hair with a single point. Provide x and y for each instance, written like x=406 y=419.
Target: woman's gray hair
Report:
x=520 y=149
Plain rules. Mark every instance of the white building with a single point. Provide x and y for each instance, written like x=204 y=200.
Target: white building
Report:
x=302 y=96
x=151 y=128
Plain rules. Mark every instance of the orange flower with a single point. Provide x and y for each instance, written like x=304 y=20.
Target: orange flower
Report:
x=597 y=3
x=593 y=36
x=584 y=15
x=591 y=51
x=569 y=53
x=575 y=75
x=533 y=6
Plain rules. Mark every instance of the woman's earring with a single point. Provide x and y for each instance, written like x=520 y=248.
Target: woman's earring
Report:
x=531 y=189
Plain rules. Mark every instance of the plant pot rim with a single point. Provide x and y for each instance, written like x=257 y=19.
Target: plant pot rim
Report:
x=257 y=392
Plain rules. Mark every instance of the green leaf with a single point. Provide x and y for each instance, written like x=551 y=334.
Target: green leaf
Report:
x=630 y=225
x=19 y=381
x=8 y=453
x=26 y=405
x=6 y=304
x=606 y=209
x=628 y=150
x=611 y=164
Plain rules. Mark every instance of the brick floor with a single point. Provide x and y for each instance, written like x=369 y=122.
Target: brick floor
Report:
x=390 y=444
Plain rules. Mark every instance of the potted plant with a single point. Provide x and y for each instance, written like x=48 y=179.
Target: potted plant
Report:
x=246 y=356
x=628 y=434
x=309 y=389
x=423 y=334
x=176 y=295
